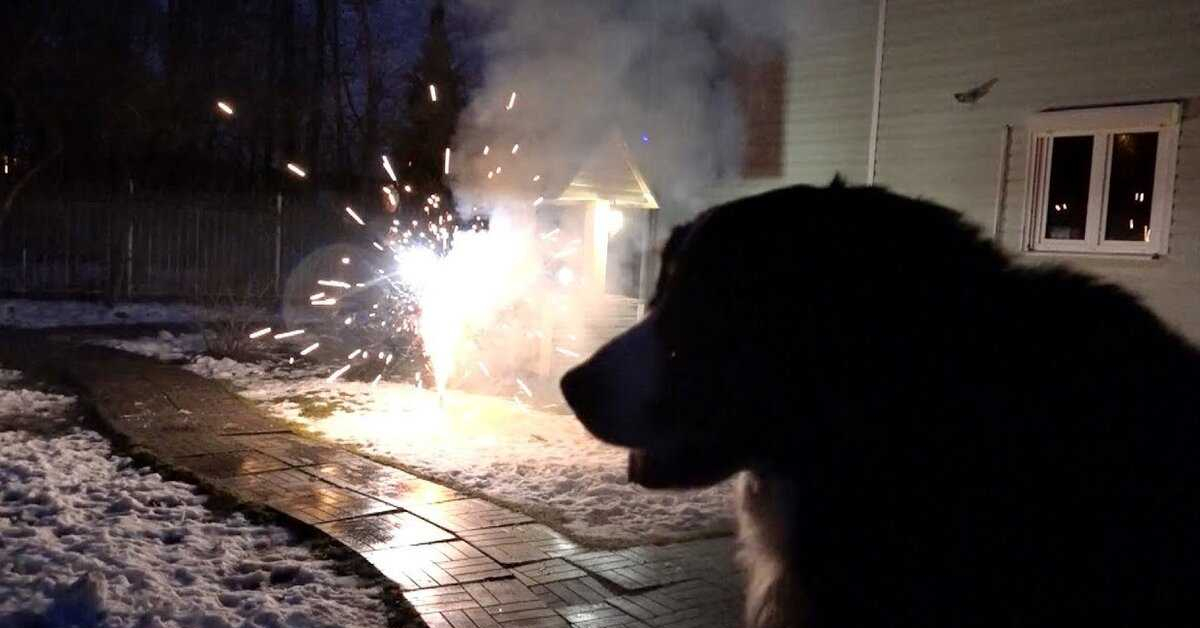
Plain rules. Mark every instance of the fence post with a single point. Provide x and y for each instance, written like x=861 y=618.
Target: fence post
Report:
x=278 y=237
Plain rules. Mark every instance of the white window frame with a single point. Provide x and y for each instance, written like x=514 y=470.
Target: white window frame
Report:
x=1102 y=123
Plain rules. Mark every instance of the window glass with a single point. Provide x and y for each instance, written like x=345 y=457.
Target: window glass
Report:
x=1131 y=186
x=1070 y=178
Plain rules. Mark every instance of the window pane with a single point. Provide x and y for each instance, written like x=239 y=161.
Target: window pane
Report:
x=1070 y=178
x=1131 y=186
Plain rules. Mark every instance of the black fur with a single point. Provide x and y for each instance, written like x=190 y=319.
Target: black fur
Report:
x=960 y=441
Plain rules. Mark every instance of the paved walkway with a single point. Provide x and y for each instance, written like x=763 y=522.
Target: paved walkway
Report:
x=462 y=561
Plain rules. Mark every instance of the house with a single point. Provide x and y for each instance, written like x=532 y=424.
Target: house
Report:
x=1068 y=131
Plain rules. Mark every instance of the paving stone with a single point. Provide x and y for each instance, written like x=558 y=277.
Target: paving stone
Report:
x=436 y=564
x=584 y=590
x=193 y=444
x=693 y=603
x=493 y=604
x=467 y=514
x=547 y=571
x=292 y=449
x=598 y=615
x=512 y=545
x=644 y=567
x=303 y=496
x=230 y=464
x=382 y=482
x=384 y=531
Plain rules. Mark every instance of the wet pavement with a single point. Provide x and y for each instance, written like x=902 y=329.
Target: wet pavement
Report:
x=462 y=561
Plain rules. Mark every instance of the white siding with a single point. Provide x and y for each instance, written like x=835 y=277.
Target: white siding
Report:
x=1045 y=54
x=828 y=108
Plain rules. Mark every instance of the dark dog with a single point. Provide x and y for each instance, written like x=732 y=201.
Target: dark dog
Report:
x=931 y=435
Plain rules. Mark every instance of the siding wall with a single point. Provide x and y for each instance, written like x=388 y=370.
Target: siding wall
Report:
x=827 y=110
x=1061 y=53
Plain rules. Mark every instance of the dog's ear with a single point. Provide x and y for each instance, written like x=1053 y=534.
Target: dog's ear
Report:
x=838 y=182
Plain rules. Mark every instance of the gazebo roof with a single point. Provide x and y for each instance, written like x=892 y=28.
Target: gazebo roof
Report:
x=609 y=174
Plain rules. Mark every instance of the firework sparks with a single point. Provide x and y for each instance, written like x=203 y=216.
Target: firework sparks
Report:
x=512 y=101
x=567 y=352
x=297 y=170
x=331 y=283
x=446 y=159
x=387 y=165
x=356 y=219
x=433 y=93
x=486 y=150
x=515 y=148
x=310 y=348
x=524 y=388
x=224 y=107
x=289 y=334
x=338 y=373
x=260 y=333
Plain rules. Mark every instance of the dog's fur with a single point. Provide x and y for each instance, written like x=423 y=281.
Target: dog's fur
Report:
x=928 y=434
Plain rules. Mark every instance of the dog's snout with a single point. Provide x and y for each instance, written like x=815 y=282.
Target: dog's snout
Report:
x=579 y=390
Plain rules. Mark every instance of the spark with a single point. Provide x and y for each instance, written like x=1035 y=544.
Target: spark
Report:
x=486 y=150
x=483 y=367
x=355 y=217
x=512 y=100
x=537 y=177
x=408 y=189
x=524 y=388
x=567 y=352
x=224 y=107
x=314 y=297
x=387 y=165
x=539 y=202
x=345 y=260
x=349 y=319
x=377 y=245
x=297 y=170
x=330 y=283
x=354 y=354
x=310 y=348
x=388 y=359
x=516 y=147
x=433 y=92
x=550 y=234
x=325 y=302
x=338 y=373
x=446 y=167
x=289 y=334
x=565 y=276
x=260 y=333
x=376 y=380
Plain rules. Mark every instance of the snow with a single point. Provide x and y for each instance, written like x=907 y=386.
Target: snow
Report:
x=165 y=346
x=87 y=539
x=542 y=462
x=19 y=402
x=32 y=314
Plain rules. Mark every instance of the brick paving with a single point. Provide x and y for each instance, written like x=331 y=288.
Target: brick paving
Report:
x=462 y=561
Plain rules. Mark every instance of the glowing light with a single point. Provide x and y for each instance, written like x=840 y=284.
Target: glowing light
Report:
x=565 y=276
x=338 y=373
x=387 y=165
x=314 y=297
x=550 y=234
x=331 y=283
x=486 y=150
x=354 y=354
x=297 y=170
x=538 y=201
x=260 y=333
x=377 y=245
x=516 y=147
x=310 y=348
x=567 y=352
x=524 y=388
x=224 y=107
x=433 y=93
x=376 y=380
x=408 y=189
x=537 y=177
x=345 y=260
x=512 y=100
x=325 y=302
x=484 y=369
x=289 y=334
x=355 y=217
x=446 y=159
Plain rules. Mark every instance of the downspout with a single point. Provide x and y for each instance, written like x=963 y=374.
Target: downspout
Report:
x=1002 y=183
x=873 y=141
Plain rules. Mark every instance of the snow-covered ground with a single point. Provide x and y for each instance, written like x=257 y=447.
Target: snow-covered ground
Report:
x=87 y=539
x=34 y=314
x=542 y=461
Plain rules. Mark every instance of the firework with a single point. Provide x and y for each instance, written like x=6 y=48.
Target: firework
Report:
x=297 y=170
x=289 y=334
x=512 y=100
x=225 y=108
x=355 y=217
x=387 y=165
x=260 y=333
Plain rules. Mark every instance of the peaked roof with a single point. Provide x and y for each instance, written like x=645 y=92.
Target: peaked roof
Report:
x=609 y=174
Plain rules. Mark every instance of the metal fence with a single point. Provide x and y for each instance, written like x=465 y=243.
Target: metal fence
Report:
x=150 y=247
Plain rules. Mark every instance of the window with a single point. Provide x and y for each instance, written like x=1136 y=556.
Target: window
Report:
x=1101 y=180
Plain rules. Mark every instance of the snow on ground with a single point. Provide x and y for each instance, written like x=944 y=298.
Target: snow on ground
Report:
x=87 y=539
x=165 y=346
x=32 y=314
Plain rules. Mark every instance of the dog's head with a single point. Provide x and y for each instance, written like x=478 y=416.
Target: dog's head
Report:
x=750 y=341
